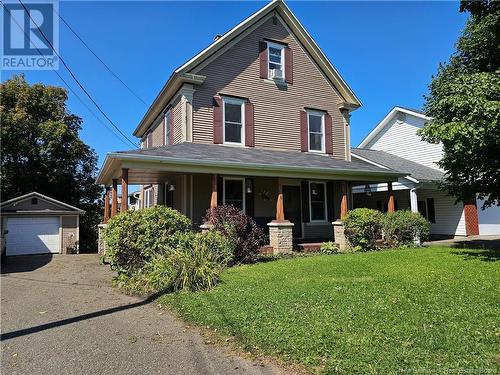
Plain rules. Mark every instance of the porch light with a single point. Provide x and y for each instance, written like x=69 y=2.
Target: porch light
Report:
x=368 y=190
x=248 y=185
x=171 y=187
x=314 y=190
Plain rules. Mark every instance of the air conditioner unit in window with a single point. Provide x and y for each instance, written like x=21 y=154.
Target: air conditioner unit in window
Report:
x=276 y=74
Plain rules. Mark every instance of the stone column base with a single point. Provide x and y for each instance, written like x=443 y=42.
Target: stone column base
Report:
x=339 y=236
x=281 y=236
x=206 y=227
x=101 y=242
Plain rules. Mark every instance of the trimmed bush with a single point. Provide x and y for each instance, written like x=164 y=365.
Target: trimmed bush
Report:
x=329 y=248
x=246 y=235
x=363 y=227
x=405 y=228
x=134 y=237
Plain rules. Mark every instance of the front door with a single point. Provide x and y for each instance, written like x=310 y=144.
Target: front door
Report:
x=292 y=208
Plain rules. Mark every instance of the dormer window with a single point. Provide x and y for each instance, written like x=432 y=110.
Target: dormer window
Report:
x=316 y=130
x=234 y=121
x=276 y=58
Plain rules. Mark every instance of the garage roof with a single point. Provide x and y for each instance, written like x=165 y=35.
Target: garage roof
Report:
x=12 y=205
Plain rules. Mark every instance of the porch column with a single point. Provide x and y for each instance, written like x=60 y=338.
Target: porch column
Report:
x=114 y=197
x=390 y=204
x=413 y=200
x=280 y=212
x=213 y=197
x=124 y=204
x=106 y=205
x=343 y=203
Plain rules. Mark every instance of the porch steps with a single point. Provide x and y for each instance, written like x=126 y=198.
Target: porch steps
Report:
x=311 y=247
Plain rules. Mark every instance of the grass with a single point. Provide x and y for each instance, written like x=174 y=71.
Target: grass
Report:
x=427 y=310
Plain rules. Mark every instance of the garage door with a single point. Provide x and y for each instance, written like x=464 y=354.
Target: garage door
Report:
x=32 y=235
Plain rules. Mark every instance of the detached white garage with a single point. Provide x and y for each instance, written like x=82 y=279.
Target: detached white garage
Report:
x=37 y=224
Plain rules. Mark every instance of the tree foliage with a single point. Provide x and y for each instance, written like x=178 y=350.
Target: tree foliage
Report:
x=464 y=101
x=42 y=151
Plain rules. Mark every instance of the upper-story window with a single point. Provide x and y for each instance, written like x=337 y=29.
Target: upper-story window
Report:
x=234 y=121
x=316 y=130
x=276 y=58
x=168 y=127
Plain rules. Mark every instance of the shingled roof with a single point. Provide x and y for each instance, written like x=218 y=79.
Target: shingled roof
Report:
x=418 y=171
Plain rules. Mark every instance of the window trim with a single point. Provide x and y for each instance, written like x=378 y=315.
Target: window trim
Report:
x=325 y=205
x=146 y=140
x=241 y=103
x=148 y=191
x=167 y=127
x=282 y=48
x=242 y=179
x=316 y=113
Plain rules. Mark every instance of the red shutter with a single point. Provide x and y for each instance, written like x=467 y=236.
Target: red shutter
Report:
x=263 y=59
x=217 y=109
x=288 y=65
x=328 y=134
x=303 y=132
x=249 y=132
x=171 y=119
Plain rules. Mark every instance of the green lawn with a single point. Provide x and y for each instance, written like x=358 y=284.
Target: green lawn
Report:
x=428 y=310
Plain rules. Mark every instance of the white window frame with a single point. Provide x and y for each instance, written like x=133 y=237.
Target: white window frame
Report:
x=325 y=213
x=148 y=197
x=242 y=189
x=282 y=48
x=167 y=126
x=316 y=113
x=241 y=103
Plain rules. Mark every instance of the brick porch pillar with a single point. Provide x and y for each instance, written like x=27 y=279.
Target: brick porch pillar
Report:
x=280 y=230
x=471 y=219
x=338 y=225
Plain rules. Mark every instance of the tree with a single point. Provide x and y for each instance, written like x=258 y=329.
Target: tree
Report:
x=464 y=101
x=42 y=151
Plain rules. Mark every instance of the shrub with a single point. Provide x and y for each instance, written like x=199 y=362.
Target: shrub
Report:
x=247 y=236
x=134 y=237
x=404 y=228
x=362 y=228
x=329 y=248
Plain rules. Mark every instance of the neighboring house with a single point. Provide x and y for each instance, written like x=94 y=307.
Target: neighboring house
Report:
x=36 y=224
x=395 y=144
x=258 y=120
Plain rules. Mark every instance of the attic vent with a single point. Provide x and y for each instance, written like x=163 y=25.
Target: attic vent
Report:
x=34 y=200
x=217 y=37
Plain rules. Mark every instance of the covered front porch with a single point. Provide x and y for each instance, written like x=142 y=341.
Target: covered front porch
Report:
x=290 y=201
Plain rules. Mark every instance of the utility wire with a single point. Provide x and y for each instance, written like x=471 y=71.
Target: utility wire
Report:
x=98 y=58
x=74 y=77
x=111 y=130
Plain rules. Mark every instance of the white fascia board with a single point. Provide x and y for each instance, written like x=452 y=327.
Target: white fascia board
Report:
x=401 y=184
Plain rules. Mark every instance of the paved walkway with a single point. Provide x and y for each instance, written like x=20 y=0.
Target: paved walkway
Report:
x=473 y=242
x=59 y=315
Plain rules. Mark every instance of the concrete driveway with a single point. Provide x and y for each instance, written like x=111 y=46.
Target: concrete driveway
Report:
x=59 y=315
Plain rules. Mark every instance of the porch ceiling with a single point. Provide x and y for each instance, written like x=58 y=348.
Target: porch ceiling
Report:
x=190 y=158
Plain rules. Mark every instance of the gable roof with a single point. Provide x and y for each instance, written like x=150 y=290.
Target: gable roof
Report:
x=419 y=172
x=183 y=73
x=387 y=119
x=34 y=194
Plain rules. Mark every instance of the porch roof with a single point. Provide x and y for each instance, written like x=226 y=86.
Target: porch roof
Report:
x=209 y=158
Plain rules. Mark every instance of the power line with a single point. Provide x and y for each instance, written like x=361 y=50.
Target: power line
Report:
x=66 y=83
x=74 y=77
x=98 y=58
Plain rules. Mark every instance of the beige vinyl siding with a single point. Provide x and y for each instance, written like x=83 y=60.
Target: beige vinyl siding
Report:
x=177 y=118
x=26 y=205
x=276 y=109
x=400 y=138
x=158 y=132
x=69 y=230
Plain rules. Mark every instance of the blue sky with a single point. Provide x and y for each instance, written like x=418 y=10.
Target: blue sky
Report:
x=386 y=51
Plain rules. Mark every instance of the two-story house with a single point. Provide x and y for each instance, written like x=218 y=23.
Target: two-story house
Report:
x=259 y=120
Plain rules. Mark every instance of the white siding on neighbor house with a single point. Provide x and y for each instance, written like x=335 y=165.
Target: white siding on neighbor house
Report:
x=401 y=139
x=450 y=219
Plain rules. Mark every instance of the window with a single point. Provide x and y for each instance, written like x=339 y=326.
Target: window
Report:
x=431 y=212
x=168 y=126
x=148 y=197
x=317 y=192
x=234 y=194
x=276 y=58
x=234 y=121
x=316 y=130
x=34 y=200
